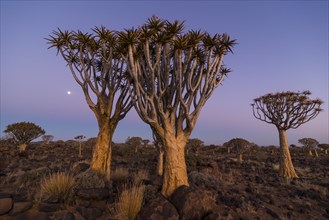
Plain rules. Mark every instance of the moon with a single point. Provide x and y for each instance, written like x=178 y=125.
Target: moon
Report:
x=69 y=92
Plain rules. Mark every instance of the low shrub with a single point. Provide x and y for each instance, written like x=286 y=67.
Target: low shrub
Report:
x=140 y=176
x=90 y=179
x=119 y=174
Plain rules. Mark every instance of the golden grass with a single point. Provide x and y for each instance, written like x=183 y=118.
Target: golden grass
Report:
x=141 y=175
x=57 y=186
x=129 y=202
x=119 y=174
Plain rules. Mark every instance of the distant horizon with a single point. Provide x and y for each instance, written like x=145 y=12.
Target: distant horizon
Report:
x=282 y=45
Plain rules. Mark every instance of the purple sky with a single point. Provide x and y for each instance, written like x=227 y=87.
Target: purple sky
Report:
x=283 y=45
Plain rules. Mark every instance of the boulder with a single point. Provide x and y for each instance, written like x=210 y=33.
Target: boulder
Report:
x=93 y=193
x=89 y=213
x=158 y=209
x=20 y=207
x=6 y=203
x=192 y=203
x=50 y=207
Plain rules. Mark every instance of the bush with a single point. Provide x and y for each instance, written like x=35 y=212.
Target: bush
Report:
x=129 y=202
x=90 y=179
x=140 y=176
x=119 y=174
x=57 y=187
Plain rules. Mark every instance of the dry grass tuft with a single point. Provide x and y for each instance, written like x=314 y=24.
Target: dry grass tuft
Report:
x=129 y=202
x=141 y=175
x=276 y=167
x=57 y=187
x=119 y=174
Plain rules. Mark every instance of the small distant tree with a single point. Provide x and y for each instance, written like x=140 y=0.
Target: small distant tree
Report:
x=135 y=142
x=194 y=144
x=80 y=138
x=22 y=133
x=240 y=146
x=145 y=142
x=309 y=144
x=324 y=147
x=47 y=138
x=286 y=110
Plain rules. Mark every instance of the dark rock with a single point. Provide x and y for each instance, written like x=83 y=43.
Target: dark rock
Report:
x=93 y=193
x=89 y=213
x=212 y=216
x=50 y=207
x=20 y=207
x=80 y=167
x=159 y=209
x=68 y=216
x=204 y=180
x=6 y=204
x=231 y=201
x=34 y=216
x=272 y=213
x=192 y=203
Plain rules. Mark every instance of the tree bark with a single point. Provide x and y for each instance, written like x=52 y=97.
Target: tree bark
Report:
x=80 y=150
x=22 y=147
x=160 y=162
x=316 y=153
x=240 y=158
x=286 y=169
x=102 y=154
x=310 y=153
x=175 y=173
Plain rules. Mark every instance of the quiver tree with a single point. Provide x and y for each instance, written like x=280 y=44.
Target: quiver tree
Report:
x=172 y=75
x=324 y=147
x=22 y=133
x=135 y=142
x=100 y=71
x=309 y=144
x=47 y=138
x=194 y=144
x=240 y=146
x=80 y=138
x=286 y=110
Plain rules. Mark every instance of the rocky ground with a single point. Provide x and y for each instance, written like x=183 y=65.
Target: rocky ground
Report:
x=220 y=186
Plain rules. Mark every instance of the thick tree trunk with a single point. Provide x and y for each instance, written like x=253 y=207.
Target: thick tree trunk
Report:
x=101 y=161
x=240 y=158
x=22 y=147
x=175 y=173
x=80 y=150
x=160 y=162
x=316 y=153
x=286 y=169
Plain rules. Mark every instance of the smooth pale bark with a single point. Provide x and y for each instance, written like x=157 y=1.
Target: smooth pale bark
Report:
x=175 y=173
x=240 y=158
x=160 y=162
x=101 y=161
x=310 y=153
x=286 y=169
x=80 y=150
x=22 y=147
x=316 y=153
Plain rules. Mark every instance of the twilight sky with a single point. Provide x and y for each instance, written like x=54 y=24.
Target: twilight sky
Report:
x=283 y=45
